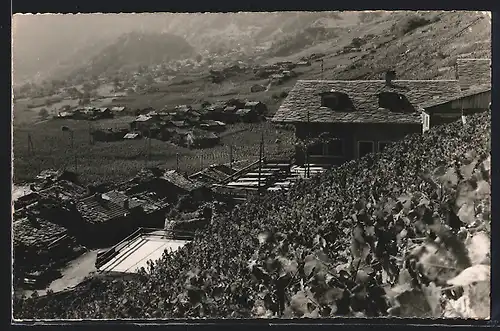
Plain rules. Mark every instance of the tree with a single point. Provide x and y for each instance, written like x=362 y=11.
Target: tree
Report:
x=85 y=99
x=199 y=58
x=44 y=113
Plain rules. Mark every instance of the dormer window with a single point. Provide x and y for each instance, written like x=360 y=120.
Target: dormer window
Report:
x=394 y=102
x=335 y=100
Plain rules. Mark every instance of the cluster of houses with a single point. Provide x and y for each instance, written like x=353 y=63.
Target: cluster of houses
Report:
x=90 y=113
x=58 y=214
x=186 y=126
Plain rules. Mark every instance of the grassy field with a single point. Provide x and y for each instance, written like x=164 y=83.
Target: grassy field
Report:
x=114 y=161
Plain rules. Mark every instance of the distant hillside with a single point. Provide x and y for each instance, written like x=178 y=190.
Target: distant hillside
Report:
x=418 y=45
x=46 y=45
x=49 y=45
x=139 y=49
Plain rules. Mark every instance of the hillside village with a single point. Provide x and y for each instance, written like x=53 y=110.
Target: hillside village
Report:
x=70 y=233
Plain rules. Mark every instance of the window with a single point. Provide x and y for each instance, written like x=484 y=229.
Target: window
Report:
x=335 y=147
x=336 y=101
x=426 y=122
x=394 y=102
x=330 y=101
x=364 y=148
x=382 y=145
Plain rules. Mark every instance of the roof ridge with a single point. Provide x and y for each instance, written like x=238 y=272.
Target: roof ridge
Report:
x=375 y=80
x=474 y=59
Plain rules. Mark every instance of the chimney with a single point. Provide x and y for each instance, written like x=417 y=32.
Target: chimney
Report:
x=390 y=75
x=126 y=204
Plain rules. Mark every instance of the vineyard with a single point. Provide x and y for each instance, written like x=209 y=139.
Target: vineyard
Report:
x=403 y=233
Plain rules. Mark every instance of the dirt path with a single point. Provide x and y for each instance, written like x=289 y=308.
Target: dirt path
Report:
x=73 y=274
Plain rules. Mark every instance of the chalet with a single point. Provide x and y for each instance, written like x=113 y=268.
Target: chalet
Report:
x=142 y=123
x=257 y=88
x=247 y=115
x=286 y=65
x=211 y=125
x=304 y=64
x=49 y=177
x=235 y=103
x=343 y=120
x=259 y=107
x=109 y=134
x=180 y=124
x=181 y=185
x=277 y=78
x=103 y=219
x=65 y=114
x=229 y=114
x=474 y=77
x=132 y=136
x=102 y=112
x=201 y=139
x=146 y=209
x=118 y=109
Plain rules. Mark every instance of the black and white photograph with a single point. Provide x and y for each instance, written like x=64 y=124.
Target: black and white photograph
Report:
x=251 y=165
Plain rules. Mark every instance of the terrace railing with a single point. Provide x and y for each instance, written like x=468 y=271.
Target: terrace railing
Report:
x=103 y=258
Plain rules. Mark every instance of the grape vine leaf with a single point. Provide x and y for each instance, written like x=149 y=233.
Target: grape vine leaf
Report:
x=476 y=273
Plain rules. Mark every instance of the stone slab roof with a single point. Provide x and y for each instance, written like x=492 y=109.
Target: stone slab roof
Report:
x=304 y=98
x=474 y=73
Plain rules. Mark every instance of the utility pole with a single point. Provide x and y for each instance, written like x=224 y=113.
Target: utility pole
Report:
x=149 y=147
x=177 y=161
x=261 y=152
x=71 y=134
x=231 y=157
x=322 y=68
x=91 y=142
x=30 y=145
x=308 y=164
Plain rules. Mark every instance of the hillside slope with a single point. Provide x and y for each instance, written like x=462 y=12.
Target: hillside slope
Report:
x=418 y=45
x=347 y=243
x=62 y=41
x=138 y=49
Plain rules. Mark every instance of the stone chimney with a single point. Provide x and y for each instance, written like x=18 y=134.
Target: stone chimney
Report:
x=390 y=75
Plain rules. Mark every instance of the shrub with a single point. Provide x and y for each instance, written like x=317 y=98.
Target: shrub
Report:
x=412 y=23
x=44 y=113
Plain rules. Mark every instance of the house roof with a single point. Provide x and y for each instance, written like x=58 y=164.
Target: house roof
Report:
x=474 y=73
x=119 y=198
x=180 y=181
x=130 y=136
x=201 y=134
x=244 y=111
x=98 y=210
x=252 y=103
x=212 y=123
x=304 y=98
x=465 y=94
x=230 y=109
x=180 y=124
x=40 y=235
x=142 y=118
x=64 y=190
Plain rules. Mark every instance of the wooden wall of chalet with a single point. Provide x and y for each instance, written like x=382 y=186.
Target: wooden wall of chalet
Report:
x=452 y=111
x=351 y=134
